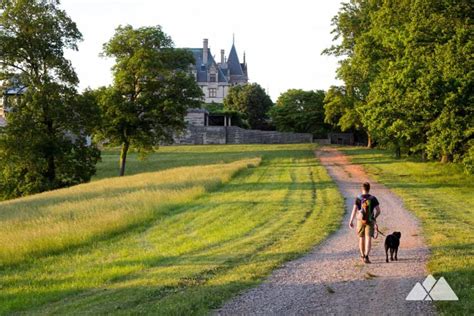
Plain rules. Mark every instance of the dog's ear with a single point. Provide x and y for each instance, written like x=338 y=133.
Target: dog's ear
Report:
x=398 y=234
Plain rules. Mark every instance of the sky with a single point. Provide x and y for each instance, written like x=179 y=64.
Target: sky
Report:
x=283 y=40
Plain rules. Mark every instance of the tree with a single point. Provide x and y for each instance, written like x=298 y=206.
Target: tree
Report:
x=252 y=101
x=151 y=92
x=301 y=112
x=360 y=67
x=339 y=109
x=408 y=72
x=44 y=145
x=422 y=92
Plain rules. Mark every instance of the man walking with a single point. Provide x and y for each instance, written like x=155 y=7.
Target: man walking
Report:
x=364 y=206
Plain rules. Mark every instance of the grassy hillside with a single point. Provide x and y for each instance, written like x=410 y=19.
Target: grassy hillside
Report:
x=54 y=221
x=197 y=254
x=441 y=195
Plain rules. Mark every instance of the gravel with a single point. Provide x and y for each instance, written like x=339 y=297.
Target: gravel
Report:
x=331 y=279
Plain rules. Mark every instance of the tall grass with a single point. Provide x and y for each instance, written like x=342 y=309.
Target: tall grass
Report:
x=61 y=219
x=196 y=256
x=441 y=196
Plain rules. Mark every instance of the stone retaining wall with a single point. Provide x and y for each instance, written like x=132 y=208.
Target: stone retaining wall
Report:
x=204 y=135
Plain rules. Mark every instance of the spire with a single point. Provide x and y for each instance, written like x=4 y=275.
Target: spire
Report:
x=233 y=62
x=233 y=39
x=244 y=59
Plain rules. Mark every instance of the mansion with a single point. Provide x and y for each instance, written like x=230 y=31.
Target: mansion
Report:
x=8 y=92
x=215 y=78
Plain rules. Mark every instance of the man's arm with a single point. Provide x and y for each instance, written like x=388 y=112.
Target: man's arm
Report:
x=354 y=209
x=377 y=211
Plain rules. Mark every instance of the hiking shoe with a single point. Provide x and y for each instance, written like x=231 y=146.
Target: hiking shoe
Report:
x=366 y=259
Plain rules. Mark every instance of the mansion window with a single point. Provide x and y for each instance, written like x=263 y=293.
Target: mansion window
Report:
x=212 y=92
x=212 y=77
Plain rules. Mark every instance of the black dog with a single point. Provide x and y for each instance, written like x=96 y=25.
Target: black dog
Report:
x=392 y=242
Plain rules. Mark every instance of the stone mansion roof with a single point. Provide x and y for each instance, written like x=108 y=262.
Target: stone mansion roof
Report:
x=227 y=71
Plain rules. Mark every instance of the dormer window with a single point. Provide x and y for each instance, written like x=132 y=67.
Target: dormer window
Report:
x=212 y=78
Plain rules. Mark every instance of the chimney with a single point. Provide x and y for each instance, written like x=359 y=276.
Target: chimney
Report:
x=222 y=57
x=205 y=50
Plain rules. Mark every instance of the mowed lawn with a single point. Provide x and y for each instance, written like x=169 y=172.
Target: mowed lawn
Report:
x=441 y=195
x=167 y=157
x=191 y=256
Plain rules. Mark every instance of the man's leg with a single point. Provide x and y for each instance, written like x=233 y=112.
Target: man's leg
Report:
x=368 y=244
x=369 y=233
x=362 y=245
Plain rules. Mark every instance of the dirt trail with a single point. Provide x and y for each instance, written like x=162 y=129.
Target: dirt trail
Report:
x=332 y=279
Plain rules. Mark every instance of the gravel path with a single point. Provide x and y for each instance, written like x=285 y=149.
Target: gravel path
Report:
x=332 y=279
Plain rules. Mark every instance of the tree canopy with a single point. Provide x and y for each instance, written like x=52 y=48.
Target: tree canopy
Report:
x=252 y=102
x=301 y=112
x=151 y=92
x=44 y=145
x=408 y=74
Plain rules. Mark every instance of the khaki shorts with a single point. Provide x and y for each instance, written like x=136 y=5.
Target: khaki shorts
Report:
x=365 y=229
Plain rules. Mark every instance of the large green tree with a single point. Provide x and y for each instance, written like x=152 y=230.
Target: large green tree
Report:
x=339 y=110
x=357 y=69
x=408 y=72
x=424 y=92
x=252 y=102
x=151 y=92
x=44 y=145
x=301 y=112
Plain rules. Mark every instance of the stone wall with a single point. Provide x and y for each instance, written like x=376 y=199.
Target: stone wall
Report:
x=204 y=135
x=196 y=117
x=237 y=135
x=341 y=138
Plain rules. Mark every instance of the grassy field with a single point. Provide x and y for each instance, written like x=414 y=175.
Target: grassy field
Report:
x=441 y=195
x=196 y=254
x=54 y=221
x=179 y=156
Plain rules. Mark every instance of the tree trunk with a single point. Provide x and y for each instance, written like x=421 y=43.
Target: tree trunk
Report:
x=51 y=171
x=123 y=157
x=444 y=158
x=369 y=142
x=398 y=152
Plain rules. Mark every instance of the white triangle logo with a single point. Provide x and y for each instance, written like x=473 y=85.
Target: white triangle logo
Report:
x=429 y=282
x=417 y=293
x=443 y=292
x=432 y=290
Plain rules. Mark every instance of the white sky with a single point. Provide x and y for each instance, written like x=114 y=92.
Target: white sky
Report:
x=283 y=40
